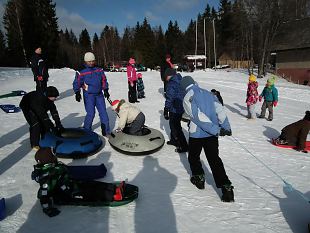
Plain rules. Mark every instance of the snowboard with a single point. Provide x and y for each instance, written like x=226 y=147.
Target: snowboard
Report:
x=307 y=147
x=87 y=172
x=13 y=93
x=9 y=108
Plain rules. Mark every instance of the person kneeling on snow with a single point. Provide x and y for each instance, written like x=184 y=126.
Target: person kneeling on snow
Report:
x=35 y=106
x=131 y=119
x=295 y=134
x=56 y=187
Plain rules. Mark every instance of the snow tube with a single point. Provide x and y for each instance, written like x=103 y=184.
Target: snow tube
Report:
x=73 y=143
x=9 y=108
x=151 y=141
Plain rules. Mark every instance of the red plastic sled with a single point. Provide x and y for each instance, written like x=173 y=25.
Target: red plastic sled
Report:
x=307 y=147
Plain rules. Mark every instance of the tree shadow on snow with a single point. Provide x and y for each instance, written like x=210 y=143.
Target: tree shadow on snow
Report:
x=154 y=209
x=235 y=110
x=13 y=203
x=66 y=94
x=270 y=132
x=13 y=135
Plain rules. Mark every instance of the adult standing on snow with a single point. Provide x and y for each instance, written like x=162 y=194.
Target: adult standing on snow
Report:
x=174 y=109
x=132 y=81
x=207 y=121
x=166 y=64
x=39 y=69
x=93 y=81
x=35 y=106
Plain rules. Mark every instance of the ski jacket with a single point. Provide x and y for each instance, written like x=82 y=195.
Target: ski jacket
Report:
x=174 y=95
x=39 y=67
x=39 y=104
x=127 y=114
x=163 y=68
x=207 y=114
x=296 y=133
x=252 y=93
x=131 y=73
x=270 y=94
x=140 y=84
x=93 y=77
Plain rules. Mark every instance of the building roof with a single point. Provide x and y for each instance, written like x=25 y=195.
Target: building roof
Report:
x=193 y=57
x=293 y=35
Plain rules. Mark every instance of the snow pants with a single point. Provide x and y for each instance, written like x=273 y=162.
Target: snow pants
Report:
x=210 y=146
x=92 y=101
x=176 y=133
x=135 y=128
x=132 y=92
x=268 y=105
x=41 y=86
x=251 y=111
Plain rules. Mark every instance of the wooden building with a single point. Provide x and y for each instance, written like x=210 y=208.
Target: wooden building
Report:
x=226 y=59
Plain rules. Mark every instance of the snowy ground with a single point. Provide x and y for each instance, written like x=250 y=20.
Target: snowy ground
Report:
x=272 y=188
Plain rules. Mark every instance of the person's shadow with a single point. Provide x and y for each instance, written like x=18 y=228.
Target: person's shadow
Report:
x=65 y=94
x=154 y=209
x=235 y=110
x=270 y=133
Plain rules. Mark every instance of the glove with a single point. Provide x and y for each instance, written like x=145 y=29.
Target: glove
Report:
x=225 y=132
x=275 y=103
x=260 y=98
x=40 y=78
x=60 y=129
x=106 y=93
x=78 y=96
x=51 y=212
x=166 y=113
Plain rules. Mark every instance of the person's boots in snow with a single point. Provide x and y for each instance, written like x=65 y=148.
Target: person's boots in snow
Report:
x=103 y=130
x=228 y=193
x=198 y=181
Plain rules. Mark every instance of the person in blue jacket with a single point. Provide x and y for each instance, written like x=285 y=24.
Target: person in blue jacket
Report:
x=270 y=95
x=208 y=121
x=93 y=81
x=174 y=109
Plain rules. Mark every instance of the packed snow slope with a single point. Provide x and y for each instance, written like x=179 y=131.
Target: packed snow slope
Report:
x=272 y=185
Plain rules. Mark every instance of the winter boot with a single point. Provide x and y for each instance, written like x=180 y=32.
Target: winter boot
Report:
x=228 y=193
x=198 y=181
x=261 y=117
x=180 y=149
x=103 y=130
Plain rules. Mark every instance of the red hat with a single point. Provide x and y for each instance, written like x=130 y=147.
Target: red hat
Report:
x=115 y=104
x=139 y=75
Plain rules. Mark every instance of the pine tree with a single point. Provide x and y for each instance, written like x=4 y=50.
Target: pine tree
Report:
x=84 y=42
x=160 y=46
x=174 y=40
x=126 y=44
x=2 y=50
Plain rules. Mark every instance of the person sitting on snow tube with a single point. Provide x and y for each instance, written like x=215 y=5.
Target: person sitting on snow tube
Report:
x=56 y=187
x=296 y=133
x=131 y=119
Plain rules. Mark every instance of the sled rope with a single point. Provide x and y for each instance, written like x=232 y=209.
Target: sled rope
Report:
x=286 y=184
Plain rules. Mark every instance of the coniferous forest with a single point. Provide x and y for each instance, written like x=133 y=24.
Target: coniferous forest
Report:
x=244 y=29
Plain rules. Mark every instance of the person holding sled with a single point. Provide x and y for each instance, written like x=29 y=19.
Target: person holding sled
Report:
x=35 y=106
x=132 y=81
x=58 y=188
x=174 y=109
x=208 y=121
x=131 y=119
x=39 y=69
x=252 y=97
x=93 y=82
x=270 y=95
x=295 y=134
x=140 y=86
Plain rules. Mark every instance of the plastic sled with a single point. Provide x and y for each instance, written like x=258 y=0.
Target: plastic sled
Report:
x=9 y=108
x=13 y=93
x=307 y=146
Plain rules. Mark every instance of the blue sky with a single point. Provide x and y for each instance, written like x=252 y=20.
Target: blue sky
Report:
x=95 y=14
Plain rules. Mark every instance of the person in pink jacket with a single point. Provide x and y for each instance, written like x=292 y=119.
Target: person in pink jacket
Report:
x=252 y=97
x=132 y=81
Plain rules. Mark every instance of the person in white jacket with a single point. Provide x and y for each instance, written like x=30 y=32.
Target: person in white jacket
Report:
x=131 y=119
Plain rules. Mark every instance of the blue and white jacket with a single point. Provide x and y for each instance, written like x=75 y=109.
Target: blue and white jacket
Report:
x=93 y=77
x=207 y=115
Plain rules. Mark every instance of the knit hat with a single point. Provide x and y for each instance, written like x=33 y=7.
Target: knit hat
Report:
x=89 y=56
x=169 y=72
x=115 y=104
x=131 y=61
x=271 y=80
x=139 y=75
x=252 y=78
x=186 y=81
x=52 y=91
x=307 y=116
x=45 y=155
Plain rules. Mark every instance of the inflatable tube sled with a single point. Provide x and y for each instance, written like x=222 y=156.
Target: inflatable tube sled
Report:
x=73 y=143
x=9 y=108
x=151 y=141
x=2 y=209
x=13 y=93
x=307 y=145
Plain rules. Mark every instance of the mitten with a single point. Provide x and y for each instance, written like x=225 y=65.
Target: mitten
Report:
x=40 y=78
x=225 y=132
x=106 y=93
x=166 y=113
x=78 y=96
x=51 y=212
x=275 y=103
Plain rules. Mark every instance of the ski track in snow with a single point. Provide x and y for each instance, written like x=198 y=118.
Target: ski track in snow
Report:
x=167 y=202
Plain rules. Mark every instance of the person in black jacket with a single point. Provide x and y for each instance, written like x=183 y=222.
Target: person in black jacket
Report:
x=166 y=64
x=35 y=106
x=39 y=69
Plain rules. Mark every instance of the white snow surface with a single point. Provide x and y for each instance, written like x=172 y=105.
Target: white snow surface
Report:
x=272 y=185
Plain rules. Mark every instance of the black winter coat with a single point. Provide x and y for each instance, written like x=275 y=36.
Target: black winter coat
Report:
x=39 y=67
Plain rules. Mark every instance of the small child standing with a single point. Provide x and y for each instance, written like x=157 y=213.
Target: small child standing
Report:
x=140 y=86
x=270 y=94
x=252 y=97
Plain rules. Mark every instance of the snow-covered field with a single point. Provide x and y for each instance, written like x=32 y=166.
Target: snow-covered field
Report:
x=272 y=185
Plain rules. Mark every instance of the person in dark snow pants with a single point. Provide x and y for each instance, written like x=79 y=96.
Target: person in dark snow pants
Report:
x=93 y=81
x=208 y=120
